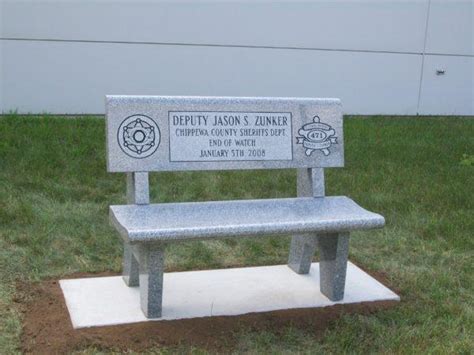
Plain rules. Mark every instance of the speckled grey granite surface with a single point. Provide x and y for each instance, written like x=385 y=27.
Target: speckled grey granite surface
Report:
x=175 y=221
x=151 y=279
x=155 y=133
x=302 y=249
x=130 y=271
x=309 y=183
x=164 y=133
x=334 y=250
x=138 y=188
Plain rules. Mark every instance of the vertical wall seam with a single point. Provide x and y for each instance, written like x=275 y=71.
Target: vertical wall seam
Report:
x=423 y=57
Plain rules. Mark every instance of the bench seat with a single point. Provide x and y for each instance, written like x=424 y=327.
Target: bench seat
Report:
x=204 y=220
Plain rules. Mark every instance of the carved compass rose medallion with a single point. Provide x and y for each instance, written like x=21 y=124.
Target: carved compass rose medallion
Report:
x=138 y=136
x=316 y=136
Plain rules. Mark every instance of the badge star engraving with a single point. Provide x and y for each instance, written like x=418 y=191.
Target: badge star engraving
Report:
x=138 y=136
x=316 y=136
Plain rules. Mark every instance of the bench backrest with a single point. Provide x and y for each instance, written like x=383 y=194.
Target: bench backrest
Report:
x=165 y=133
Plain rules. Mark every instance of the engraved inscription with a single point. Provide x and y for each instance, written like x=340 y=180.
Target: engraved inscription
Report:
x=229 y=136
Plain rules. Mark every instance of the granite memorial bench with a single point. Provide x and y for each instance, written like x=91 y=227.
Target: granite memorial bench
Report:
x=159 y=133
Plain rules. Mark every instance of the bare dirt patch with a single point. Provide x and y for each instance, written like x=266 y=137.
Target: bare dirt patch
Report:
x=47 y=328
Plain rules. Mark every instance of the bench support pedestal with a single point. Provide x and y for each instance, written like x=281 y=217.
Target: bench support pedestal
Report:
x=143 y=266
x=334 y=251
x=130 y=266
x=151 y=260
x=302 y=249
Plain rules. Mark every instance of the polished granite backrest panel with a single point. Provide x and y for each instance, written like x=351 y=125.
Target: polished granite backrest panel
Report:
x=165 y=133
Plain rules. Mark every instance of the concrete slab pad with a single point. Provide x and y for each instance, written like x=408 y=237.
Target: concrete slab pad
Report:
x=104 y=301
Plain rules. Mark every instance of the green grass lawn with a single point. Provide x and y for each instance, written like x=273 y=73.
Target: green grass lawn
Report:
x=55 y=193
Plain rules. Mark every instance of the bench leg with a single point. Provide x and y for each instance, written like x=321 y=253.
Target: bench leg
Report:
x=151 y=279
x=130 y=266
x=334 y=250
x=302 y=250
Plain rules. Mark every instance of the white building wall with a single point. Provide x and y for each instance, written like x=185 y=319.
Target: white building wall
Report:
x=379 y=57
